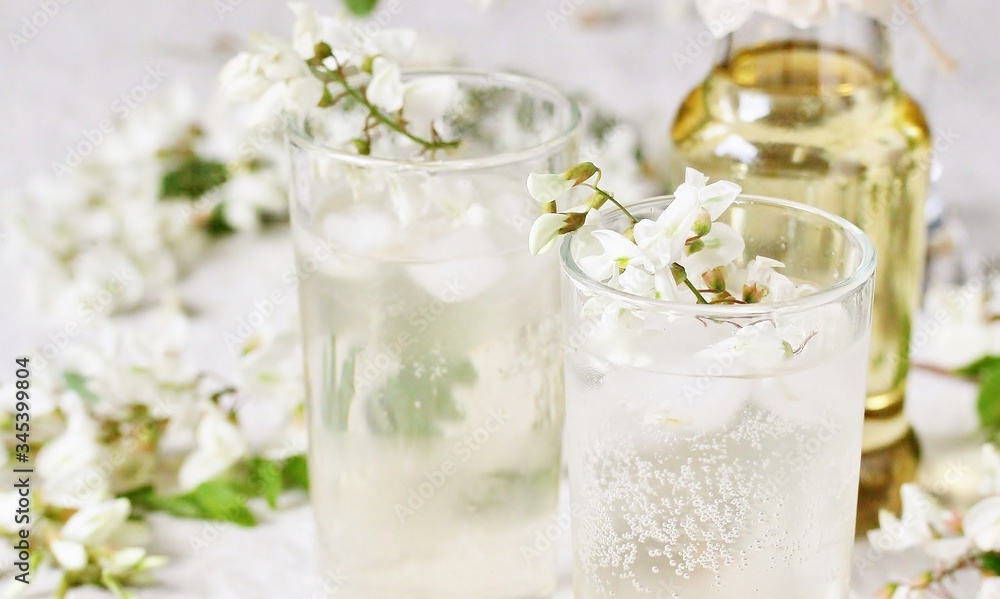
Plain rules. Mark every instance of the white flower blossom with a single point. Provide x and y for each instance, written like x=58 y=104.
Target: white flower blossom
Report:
x=964 y=331
x=71 y=555
x=220 y=444
x=545 y=232
x=69 y=466
x=982 y=524
x=922 y=517
x=96 y=523
x=426 y=100
x=545 y=187
x=386 y=90
x=721 y=246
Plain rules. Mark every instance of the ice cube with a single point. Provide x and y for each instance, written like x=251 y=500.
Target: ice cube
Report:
x=361 y=233
x=457 y=265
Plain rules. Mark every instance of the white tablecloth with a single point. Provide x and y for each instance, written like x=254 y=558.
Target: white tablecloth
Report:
x=65 y=79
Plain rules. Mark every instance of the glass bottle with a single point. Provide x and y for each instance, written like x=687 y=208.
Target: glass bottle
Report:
x=815 y=115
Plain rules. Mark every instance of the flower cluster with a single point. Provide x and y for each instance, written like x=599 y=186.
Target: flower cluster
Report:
x=958 y=545
x=661 y=258
x=329 y=64
x=123 y=226
x=131 y=427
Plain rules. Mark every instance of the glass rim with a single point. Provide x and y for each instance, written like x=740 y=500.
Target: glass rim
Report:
x=861 y=274
x=300 y=138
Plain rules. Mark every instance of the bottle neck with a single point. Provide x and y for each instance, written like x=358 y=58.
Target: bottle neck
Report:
x=848 y=51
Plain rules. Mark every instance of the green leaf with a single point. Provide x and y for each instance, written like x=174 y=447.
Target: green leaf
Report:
x=217 y=225
x=225 y=501
x=77 y=383
x=977 y=368
x=991 y=562
x=193 y=178
x=295 y=473
x=988 y=404
x=266 y=478
x=361 y=7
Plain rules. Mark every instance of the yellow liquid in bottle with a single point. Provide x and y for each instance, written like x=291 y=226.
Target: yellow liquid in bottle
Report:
x=824 y=127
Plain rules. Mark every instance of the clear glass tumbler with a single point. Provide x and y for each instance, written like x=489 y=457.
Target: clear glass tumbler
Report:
x=435 y=382
x=714 y=450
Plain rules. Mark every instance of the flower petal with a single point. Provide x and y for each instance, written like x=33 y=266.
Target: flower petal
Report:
x=548 y=187
x=722 y=246
x=385 y=90
x=718 y=197
x=72 y=556
x=982 y=524
x=544 y=232
x=97 y=522
x=427 y=99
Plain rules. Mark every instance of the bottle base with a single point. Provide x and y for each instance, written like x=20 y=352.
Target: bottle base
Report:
x=883 y=471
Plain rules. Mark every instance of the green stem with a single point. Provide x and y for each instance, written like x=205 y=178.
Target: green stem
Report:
x=608 y=196
x=694 y=290
x=378 y=114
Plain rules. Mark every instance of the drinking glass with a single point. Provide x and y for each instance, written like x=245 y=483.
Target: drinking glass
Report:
x=714 y=450
x=435 y=387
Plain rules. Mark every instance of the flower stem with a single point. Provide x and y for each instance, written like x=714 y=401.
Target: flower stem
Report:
x=388 y=121
x=608 y=196
x=694 y=290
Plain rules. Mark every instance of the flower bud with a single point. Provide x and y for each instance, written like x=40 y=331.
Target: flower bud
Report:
x=695 y=246
x=703 y=224
x=580 y=173
x=322 y=51
x=368 y=64
x=679 y=273
x=715 y=279
x=752 y=294
x=362 y=146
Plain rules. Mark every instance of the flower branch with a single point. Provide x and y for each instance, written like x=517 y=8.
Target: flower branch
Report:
x=339 y=76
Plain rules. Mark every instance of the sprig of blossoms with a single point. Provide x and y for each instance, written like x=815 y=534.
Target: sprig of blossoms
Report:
x=958 y=545
x=327 y=64
x=128 y=426
x=122 y=228
x=659 y=258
